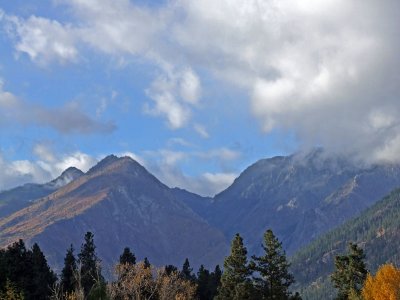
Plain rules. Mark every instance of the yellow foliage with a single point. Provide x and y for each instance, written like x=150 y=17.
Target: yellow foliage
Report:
x=384 y=286
x=11 y=292
x=139 y=282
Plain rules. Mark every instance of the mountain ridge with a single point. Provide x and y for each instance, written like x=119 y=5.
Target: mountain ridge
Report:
x=299 y=197
x=132 y=208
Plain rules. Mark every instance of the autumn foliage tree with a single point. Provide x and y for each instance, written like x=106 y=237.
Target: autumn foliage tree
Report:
x=146 y=282
x=385 y=285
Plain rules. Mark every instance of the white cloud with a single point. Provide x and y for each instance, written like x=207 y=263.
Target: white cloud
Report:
x=219 y=181
x=190 y=88
x=43 y=40
x=47 y=166
x=167 y=166
x=173 y=95
x=325 y=70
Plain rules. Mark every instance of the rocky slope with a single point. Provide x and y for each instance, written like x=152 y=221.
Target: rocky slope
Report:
x=123 y=205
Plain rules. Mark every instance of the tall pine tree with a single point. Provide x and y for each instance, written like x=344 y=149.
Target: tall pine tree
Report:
x=187 y=271
x=43 y=276
x=235 y=282
x=89 y=264
x=127 y=257
x=272 y=267
x=203 y=284
x=68 y=272
x=350 y=272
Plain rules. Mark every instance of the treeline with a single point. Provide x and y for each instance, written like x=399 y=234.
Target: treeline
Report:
x=25 y=274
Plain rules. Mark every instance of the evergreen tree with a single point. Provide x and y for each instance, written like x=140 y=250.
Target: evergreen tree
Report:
x=67 y=273
x=203 y=284
x=89 y=264
x=169 y=269
x=235 y=283
x=127 y=257
x=146 y=263
x=18 y=268
x=186 y=272
x=272 y=267
x=350 y=272
x=215 y=281
x=43 y=276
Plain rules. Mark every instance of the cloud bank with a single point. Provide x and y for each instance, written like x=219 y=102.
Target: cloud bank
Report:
x=66 y=120
x=326 y=71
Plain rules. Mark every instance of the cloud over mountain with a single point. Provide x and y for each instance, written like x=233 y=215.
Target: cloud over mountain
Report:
x=326 y=71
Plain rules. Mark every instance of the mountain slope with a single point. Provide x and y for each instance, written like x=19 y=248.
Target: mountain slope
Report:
x=377 y=230
x=20 y=197
x=123 y=205
x=299 y=197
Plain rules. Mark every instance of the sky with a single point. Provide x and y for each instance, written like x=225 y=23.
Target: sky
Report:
x=195 y=91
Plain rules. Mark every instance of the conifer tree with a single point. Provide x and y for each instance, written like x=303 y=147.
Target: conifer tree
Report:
x=203 y=284
x=215 y=281
x=43 y=276
x=235 y=282
x=146 y=263
x=89 y=264
x=187 y=271
x=127 y=257
x=67 y=273
x=169 y=269
x=272 y=267
x=18 y=268
x=350 y=272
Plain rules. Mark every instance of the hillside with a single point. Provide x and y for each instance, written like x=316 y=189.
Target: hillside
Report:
x=377 y=230
x=299 y=197
x=123 y=205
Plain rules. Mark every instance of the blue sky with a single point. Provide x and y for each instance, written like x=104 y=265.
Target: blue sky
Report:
x=194 y=90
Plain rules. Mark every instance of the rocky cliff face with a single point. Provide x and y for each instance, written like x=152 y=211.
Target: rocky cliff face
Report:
x=123 y=205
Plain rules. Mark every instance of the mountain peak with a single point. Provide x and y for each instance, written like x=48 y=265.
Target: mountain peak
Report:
x=113 y=163
x=105 y=162
x=68 y=175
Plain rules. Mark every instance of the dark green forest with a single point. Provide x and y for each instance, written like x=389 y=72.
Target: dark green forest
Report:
x=376 y=230
x=25 y=274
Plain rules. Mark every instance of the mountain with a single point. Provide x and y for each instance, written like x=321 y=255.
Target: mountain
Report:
x=376 y=230
x=123 y=205
x=299 y=197
x=20 y=197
